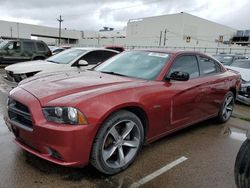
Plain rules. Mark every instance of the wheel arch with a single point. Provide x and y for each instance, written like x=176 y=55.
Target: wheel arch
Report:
x=233 y=90
x=133 y=108
x=38 y=57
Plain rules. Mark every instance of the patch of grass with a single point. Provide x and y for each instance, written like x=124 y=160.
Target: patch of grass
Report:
x=245 y=118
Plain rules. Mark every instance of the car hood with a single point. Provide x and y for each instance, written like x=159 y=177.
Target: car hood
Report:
x=245 y=73
x=47 y=88
x=32 y=66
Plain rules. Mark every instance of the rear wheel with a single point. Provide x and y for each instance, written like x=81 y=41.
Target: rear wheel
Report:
x=242 y=166
x=117 y=142
x=226 y=109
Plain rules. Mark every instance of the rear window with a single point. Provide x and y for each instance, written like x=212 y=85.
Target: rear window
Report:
x=208 y=66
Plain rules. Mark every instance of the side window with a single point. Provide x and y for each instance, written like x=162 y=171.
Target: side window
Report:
x=14 y=46
x=29 y=46
x=106 y=55
x=41 y=46
x=187 y=63
x=208 y=66
x=97 y=56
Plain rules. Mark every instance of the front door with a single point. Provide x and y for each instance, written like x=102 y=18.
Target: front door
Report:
x=188 y=96
x=12 y=53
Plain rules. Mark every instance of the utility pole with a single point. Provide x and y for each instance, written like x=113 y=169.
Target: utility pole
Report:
x=60 y=20
x=17 y=30
x=160 y=38
x=165 y=37
x=11 y=32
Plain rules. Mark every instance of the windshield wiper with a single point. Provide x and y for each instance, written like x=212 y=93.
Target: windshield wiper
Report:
x=52 y=61
x=113 y=73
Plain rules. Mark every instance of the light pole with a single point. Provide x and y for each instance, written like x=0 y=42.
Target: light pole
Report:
x=11 y=32
x=60 y=20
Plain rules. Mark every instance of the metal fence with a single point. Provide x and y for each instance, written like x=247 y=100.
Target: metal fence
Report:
x=208 y=50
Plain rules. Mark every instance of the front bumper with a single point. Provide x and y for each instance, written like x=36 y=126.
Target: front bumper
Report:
x=243 y=99
x=61 y=144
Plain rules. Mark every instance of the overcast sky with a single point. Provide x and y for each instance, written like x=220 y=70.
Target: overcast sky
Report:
x=94 y=14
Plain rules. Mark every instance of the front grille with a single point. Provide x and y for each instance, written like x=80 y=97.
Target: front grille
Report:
x=19 y=114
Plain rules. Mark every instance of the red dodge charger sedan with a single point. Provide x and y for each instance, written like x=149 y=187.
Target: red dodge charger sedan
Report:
x=103 y=116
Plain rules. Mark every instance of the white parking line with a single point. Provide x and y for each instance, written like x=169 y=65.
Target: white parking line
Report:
x=158 y=172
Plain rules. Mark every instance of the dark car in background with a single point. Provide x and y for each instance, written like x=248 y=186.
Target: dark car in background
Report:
x=15 y=51
x=228 y=59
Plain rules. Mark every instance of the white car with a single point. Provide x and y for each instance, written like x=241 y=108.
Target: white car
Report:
x=243 y=67
x=74 y=59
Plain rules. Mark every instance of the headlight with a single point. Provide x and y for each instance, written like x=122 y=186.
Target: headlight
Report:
x=64 y=115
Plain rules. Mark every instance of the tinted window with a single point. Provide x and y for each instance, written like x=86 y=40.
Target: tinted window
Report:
x=29 y=46
x=97 y=56
x=41 y=46
x=187 y=64
x=208 y=66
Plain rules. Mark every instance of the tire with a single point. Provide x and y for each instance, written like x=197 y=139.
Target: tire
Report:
x=242 y=166
x=226 y=108
x=117 y=143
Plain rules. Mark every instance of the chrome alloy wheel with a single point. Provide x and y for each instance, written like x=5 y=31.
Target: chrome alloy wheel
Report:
x=121 y=144
x=228 y=107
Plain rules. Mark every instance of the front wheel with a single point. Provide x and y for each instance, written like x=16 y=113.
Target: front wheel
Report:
x=226 y=108
x=117 y=142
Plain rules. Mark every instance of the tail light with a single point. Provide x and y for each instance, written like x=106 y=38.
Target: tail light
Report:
x=49 y=53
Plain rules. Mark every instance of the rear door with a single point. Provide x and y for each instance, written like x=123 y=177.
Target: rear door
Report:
x=216 y=85
x=28 y=50
x=188 y=100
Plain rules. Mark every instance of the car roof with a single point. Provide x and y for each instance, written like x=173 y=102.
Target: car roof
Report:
x=16 y=40
x=94 y=48
x=243 y=60
x=171 y=51
x=233 y=55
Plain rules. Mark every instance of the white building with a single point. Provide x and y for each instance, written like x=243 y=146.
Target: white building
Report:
x=173 y=30
x=180 y=29
x=47 y=34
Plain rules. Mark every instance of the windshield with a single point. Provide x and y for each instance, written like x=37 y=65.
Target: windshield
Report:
x=224 y=59
x=3 y=44
x=137 y=64
x=66 y=56
x=241 y=64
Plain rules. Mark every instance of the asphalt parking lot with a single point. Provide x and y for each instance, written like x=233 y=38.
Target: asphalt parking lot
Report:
x=200 y=156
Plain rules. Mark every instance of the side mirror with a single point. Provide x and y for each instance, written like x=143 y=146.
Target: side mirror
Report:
x=179 y=76
x=83 y=63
